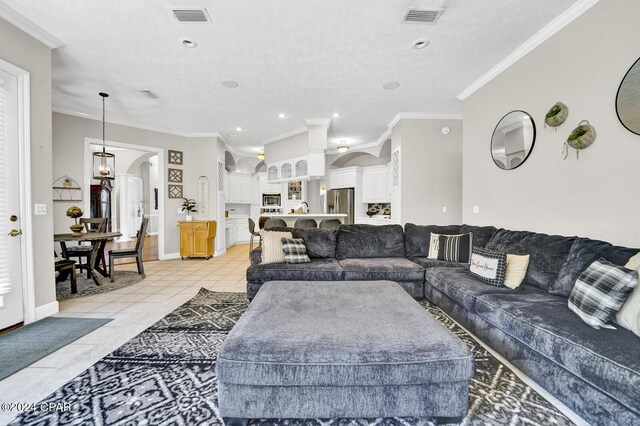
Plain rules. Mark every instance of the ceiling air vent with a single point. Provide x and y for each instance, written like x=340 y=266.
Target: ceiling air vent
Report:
x=422 y=16
x=191 y=15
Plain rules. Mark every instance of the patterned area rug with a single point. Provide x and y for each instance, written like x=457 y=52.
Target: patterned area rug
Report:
x=166 y=376
x=87 y=287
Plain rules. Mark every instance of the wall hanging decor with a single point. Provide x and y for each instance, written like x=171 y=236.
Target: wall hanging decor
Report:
x=66 y=189
x=203 y=195
x=556 y=115
x=581 y=138
x=175 y=157
x=628 y=99
x=175 y=191
x=175 y=175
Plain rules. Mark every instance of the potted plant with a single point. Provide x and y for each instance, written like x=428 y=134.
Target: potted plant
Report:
x=74 y=212
x=188 y=206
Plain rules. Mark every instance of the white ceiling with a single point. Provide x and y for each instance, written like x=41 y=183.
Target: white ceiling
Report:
x=307 y=59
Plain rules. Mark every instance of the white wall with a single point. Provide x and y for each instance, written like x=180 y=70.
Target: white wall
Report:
x=293 y=146
x=21 y=50
x=431 y=170
x=199 y=159
x=582 y=66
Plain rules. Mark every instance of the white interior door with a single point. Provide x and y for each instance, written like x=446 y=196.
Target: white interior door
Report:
x=11 y=301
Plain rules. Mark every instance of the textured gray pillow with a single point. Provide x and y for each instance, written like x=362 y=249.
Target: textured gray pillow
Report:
x=294 y=250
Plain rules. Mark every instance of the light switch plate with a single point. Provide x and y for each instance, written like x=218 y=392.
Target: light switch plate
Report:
x=476 y=209
x=40 y=209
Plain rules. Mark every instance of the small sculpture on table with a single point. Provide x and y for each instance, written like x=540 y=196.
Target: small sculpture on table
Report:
x=74 y=212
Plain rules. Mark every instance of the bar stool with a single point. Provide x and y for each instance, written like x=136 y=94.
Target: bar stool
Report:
x=275 y=223
x=254 y=233
x=305 y=222
x=330 y=223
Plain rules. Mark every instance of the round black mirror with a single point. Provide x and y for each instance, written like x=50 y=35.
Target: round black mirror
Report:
x=513 y=140
x=628 y=99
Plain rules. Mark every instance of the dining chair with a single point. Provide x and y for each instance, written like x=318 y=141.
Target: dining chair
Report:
x=274 y=223
x=330 y=223
x=254 y=233
x=83 y=251
x=134 y=252
x=305 y=222
x=66 y=268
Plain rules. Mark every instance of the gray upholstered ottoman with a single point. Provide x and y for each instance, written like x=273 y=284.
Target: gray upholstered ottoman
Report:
x=341 y=350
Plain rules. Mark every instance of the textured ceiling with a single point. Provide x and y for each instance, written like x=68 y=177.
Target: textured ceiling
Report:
x=307 y=59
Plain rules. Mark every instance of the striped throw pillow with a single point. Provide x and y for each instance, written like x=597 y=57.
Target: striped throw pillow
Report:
x=294 y=250
x=600 y=292
x=455 y=248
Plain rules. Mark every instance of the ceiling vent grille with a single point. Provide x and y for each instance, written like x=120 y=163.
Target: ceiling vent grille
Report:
x=422 y=16
x=191 y=15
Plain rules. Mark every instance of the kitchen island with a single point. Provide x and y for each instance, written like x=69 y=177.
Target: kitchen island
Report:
x=291 y=218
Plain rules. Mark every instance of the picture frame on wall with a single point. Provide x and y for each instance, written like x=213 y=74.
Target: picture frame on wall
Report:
x=175 y=157
x=175 y=175
x=175 y=191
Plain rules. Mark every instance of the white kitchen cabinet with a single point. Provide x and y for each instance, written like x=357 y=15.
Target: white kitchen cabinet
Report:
x=226 y=190
x=344 y=178
x=268 y=188
x=375 y=185
x=240 y=188
x=242 y=231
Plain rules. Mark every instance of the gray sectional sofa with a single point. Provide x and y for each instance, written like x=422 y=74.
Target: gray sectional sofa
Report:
x=596 y=373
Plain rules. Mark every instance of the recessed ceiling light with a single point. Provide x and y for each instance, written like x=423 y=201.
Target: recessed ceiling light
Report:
x=238 y=129
x=391 y=85
x=420 y=43
x=187 y=42
x=336 y=115
x=230 y=84
x=281 y=115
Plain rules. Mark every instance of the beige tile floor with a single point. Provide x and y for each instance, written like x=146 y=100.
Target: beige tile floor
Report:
x=134 y=308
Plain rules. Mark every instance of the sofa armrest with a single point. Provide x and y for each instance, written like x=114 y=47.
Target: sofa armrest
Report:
x=256 y=256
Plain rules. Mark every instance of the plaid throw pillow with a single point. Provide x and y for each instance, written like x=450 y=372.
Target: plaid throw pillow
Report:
x=455 y=248
x=600 y=292
x=488 y=266
x=294 y=250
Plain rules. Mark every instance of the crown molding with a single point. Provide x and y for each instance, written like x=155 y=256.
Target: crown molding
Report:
x=564 y=19
x=29 y=27
x=423 y=116
x=284 y=135
x=318 y=122
x=138 y=125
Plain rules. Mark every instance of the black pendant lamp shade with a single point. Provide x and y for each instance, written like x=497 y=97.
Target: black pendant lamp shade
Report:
x=104 y=163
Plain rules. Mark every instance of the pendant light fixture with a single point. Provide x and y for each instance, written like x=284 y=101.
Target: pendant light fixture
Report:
x=104 y=163
x=343 y=147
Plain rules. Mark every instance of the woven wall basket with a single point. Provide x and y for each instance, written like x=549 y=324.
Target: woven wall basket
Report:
x=556 y=115
x=581 y=138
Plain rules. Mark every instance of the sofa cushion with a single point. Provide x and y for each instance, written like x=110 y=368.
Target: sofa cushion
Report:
x=583 y=253
x=460 y=286
x=481 y=234
x=320 y=243
x=391 y=268
x=417 y=237
x=607 y=359
x=366 y=241
x=427 y=263
x=548 y=253
x=317 y=270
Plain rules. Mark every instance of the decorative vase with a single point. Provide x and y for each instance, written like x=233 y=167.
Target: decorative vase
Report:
x=77 y=229
x=188 y=218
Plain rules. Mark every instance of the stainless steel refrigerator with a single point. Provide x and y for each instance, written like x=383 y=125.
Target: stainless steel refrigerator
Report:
x=341 y=201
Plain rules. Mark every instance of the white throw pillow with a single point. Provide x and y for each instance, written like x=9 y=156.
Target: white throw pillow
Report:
x=516 y=270
x=434 y=246
x=272 y=246
x=629 y=315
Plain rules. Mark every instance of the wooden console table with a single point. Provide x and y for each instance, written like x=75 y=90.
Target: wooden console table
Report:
x=196 y=238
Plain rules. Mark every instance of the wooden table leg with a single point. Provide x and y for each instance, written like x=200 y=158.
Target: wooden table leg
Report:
x=96 y=257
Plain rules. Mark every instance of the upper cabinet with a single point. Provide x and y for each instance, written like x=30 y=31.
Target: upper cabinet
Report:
x=299 y=168
x=375 y=185
x=241 y=189
x=344 y=178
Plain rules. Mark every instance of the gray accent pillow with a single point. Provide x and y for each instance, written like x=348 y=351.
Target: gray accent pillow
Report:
x=488 y=266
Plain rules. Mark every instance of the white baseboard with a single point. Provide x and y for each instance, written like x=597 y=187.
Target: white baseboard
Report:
x=153 y=234
x=219 y=252
x=169 y=256
x=46 y=310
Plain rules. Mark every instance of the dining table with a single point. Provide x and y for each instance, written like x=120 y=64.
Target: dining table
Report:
x=98 y=240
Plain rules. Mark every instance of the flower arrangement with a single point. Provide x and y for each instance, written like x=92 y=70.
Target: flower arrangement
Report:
x=188 y=205
x=74 y=212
